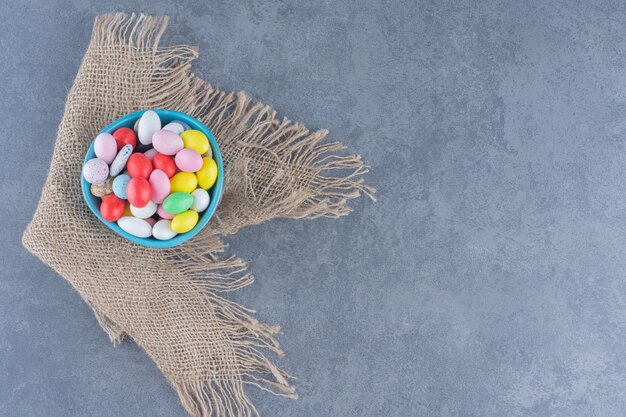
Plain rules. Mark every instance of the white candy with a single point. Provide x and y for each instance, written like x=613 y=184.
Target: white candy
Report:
x=183 y=124
x=200 y=200
x=136 y=126
x=135 y=226
x=96 y=171
x=144 y=212
x=148 y=124
x=174 y=127
x=162 y=230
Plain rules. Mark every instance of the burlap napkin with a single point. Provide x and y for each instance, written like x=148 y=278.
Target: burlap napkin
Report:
x=171 y=302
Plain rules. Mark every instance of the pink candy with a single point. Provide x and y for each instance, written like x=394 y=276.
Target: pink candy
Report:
x=105 y=147
x=160 y=184
x=188 y=160
x=150 y=153
x=164 y=214
x=167 y=142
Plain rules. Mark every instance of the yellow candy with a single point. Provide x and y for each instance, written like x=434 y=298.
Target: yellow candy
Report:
x=207 y=174
x=196 y=140
x=127 y=211
x=184 y=222
x=184 y=182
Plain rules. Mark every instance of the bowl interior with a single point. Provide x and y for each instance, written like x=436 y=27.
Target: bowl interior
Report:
x=215 y=192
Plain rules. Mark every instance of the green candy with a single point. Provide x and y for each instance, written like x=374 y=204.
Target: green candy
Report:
x=177 y=202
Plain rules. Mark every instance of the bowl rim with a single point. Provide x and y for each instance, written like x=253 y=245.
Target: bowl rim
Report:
x=217 y=187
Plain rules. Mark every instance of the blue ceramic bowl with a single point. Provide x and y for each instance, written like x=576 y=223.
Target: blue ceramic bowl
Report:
x=215 y=192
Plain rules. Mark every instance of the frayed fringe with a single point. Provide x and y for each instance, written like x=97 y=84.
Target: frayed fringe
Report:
x=292 y=175
x=135 y=31
x=219 y=398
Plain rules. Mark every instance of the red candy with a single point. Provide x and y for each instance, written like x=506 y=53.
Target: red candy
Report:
x=124 y=136
x=138 y=192
x=165 y=163
x=139 y=165
x=112 y=207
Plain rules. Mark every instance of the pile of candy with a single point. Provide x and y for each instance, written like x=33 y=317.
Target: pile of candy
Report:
x=165 y=183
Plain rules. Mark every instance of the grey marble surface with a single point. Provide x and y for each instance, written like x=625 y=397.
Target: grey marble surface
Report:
x=487 y=281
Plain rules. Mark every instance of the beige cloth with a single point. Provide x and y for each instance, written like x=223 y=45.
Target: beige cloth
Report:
x=171 y=301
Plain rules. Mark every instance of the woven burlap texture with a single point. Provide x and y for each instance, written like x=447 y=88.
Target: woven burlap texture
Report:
x=171 y=301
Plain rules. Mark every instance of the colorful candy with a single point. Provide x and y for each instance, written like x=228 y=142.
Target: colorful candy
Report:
x=167 y=142
x=162 y=230
x=105 y=147
x=138 y=192
x=119 y=163
x=177 y=202
x=160 y=186
x=168 y=175
x=145 y=211
x=125 y=136
x=119 y=185
x=112 y=208
x=207 y=175
x=201 y=200
x=96 y=171
x=183 y=124
x=165 y=163
x=135 y=226
x=188 y=160
x=150 y=153
x=196 y=140
x=184 y=182
x=139 y=165
x=164 y=214
x=148 y=124
x=100 y=190
x=185 y=221
x=175 y=127
x=127 y=211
